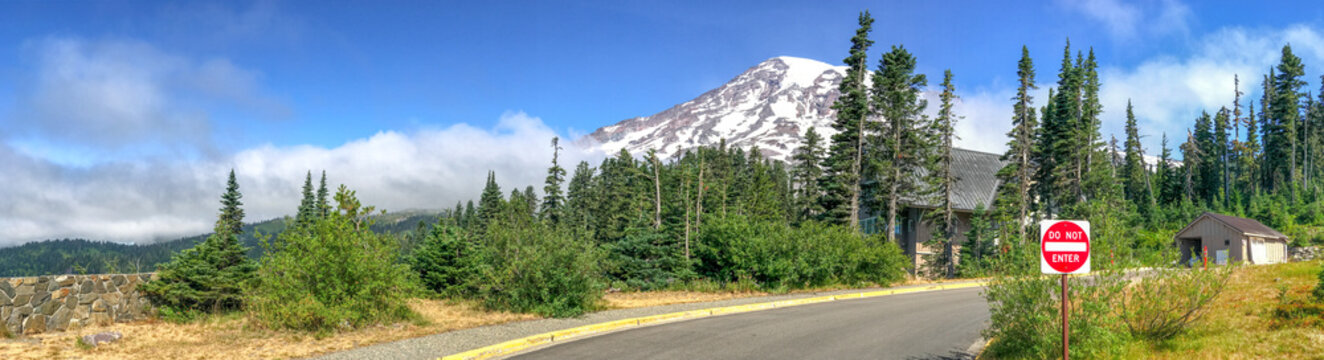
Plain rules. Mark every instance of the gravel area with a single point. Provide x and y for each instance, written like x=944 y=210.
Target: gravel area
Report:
x=434 y=346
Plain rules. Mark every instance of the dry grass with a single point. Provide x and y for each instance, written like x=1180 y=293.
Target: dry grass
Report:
x=626 y=300
x=237 y=337
x=1240 y=322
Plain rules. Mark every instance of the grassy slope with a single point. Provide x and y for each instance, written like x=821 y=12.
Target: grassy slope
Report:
x=1240 y=324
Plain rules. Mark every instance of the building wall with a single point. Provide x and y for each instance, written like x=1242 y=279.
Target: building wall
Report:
x=30 y=305
x=1216 y=236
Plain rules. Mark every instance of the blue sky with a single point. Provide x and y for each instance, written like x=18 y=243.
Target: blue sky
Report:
x=157 y=99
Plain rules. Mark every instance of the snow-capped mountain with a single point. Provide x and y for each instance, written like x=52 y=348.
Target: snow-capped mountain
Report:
x=770 y=105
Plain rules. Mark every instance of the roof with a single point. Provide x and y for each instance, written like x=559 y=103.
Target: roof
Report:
x=1243 y=225
x=976 y=180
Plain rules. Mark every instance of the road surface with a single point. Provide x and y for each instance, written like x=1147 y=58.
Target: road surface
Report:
x=927 y=325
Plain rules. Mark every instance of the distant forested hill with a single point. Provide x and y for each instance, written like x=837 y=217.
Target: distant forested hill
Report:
x=72 y=256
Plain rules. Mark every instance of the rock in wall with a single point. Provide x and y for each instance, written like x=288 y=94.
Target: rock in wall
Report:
x=31 y=305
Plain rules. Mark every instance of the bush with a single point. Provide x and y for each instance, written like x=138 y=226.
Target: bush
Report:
x=447 y=260
x=777 y=256
x=1168 y=301
x=209 y=277
x=646 y=260
x=334 y=273
x=1318 y=292
x=1025 y=316
x=532 y=267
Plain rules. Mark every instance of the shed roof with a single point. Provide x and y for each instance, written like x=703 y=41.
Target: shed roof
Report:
x=1243 y=225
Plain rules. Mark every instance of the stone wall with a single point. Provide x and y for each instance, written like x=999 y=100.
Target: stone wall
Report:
x=31 y=305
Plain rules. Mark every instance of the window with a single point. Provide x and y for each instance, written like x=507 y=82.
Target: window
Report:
x=1227 y=242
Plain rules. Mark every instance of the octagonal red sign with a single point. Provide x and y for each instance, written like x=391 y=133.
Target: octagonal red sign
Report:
x=1064 y=247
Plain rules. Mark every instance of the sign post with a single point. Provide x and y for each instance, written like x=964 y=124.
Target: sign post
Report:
x=1064 y=249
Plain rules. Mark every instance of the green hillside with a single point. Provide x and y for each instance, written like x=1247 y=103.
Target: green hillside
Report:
x=72 y=256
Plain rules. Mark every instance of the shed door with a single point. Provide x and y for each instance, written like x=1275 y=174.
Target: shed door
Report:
x=1257 y=253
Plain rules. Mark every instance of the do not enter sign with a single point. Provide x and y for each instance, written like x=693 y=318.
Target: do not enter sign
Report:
x=1065 y=247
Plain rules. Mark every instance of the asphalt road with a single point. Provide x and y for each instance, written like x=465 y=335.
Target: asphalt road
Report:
x=927 y=325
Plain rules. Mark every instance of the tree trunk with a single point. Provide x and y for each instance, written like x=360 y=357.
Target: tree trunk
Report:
x=657 y=195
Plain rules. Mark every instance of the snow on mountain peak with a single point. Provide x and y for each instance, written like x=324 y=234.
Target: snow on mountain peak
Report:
x=769 y=105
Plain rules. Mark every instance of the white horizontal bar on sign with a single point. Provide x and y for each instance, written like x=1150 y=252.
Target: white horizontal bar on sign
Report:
x=1064 y=246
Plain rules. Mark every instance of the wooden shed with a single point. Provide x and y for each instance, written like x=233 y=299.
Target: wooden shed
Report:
x=1230 y=239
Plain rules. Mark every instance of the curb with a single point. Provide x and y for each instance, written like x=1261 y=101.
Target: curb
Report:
x=521 y=344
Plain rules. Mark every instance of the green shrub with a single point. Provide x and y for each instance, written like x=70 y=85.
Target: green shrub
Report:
x=532 y=267
x=211 y=276
x=334 y=273
x=646 y=260
x=447 y=260
x=1167 y=301
x=1025 y=316
x=777 y=256
x=1318 y=292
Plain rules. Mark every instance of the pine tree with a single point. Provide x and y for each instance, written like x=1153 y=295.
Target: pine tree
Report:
x=211 y=276
x=805 y=174
x=904 y=143
x=1220 y=152
x=841 y=183
x=490 y=202
x=579 y=197
x=1133 y=168
x=1014 y=198
x=531 y=201
x=944 y=215
x=308 y=207
x=1286 y=110
x=1098 y=178
x=1166 y=177
x=552 y=199
x=1204 y=167
x=324 y=208
x=231 y=221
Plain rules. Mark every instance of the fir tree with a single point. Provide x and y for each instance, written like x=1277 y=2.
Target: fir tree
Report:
x=841 y=181
x=308 y=207
x=1133 y=167
x=904 y=143
x=579 y=197
x=944 y=215
x=490 y=202
x=805 y=174
x=324 y=208
x=1286 y=117
x=1013 y=198
x=552 y=199
x=211 y=276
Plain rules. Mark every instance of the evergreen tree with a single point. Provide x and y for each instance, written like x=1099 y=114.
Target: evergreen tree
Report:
x=579 y=197
x=470 y=214
x=904 y=143
x=323 y=206
x=531 y=201
x=552 y=199
x=1013 y=200
x=805 y=174
x=1204 y=167
x=944 y=215
x=841 y=181
x=1168 y=189
x=1220 y=152
x=211 y=276
x=1133 y=168
x=1286 y=117
x=231 y=221
x=490 y=202
x=308 y=207
x=1249 y=161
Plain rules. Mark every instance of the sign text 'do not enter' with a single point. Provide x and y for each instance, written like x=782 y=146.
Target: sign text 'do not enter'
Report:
x=1065 y=247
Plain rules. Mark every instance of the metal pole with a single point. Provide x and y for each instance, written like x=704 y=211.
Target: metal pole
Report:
x=1065 y=305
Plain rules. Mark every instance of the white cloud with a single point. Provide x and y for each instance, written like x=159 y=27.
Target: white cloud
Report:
x=1168 y=92
x=1120 y=18
x=146 y=201
x=1126 y=21
x=121 y=93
